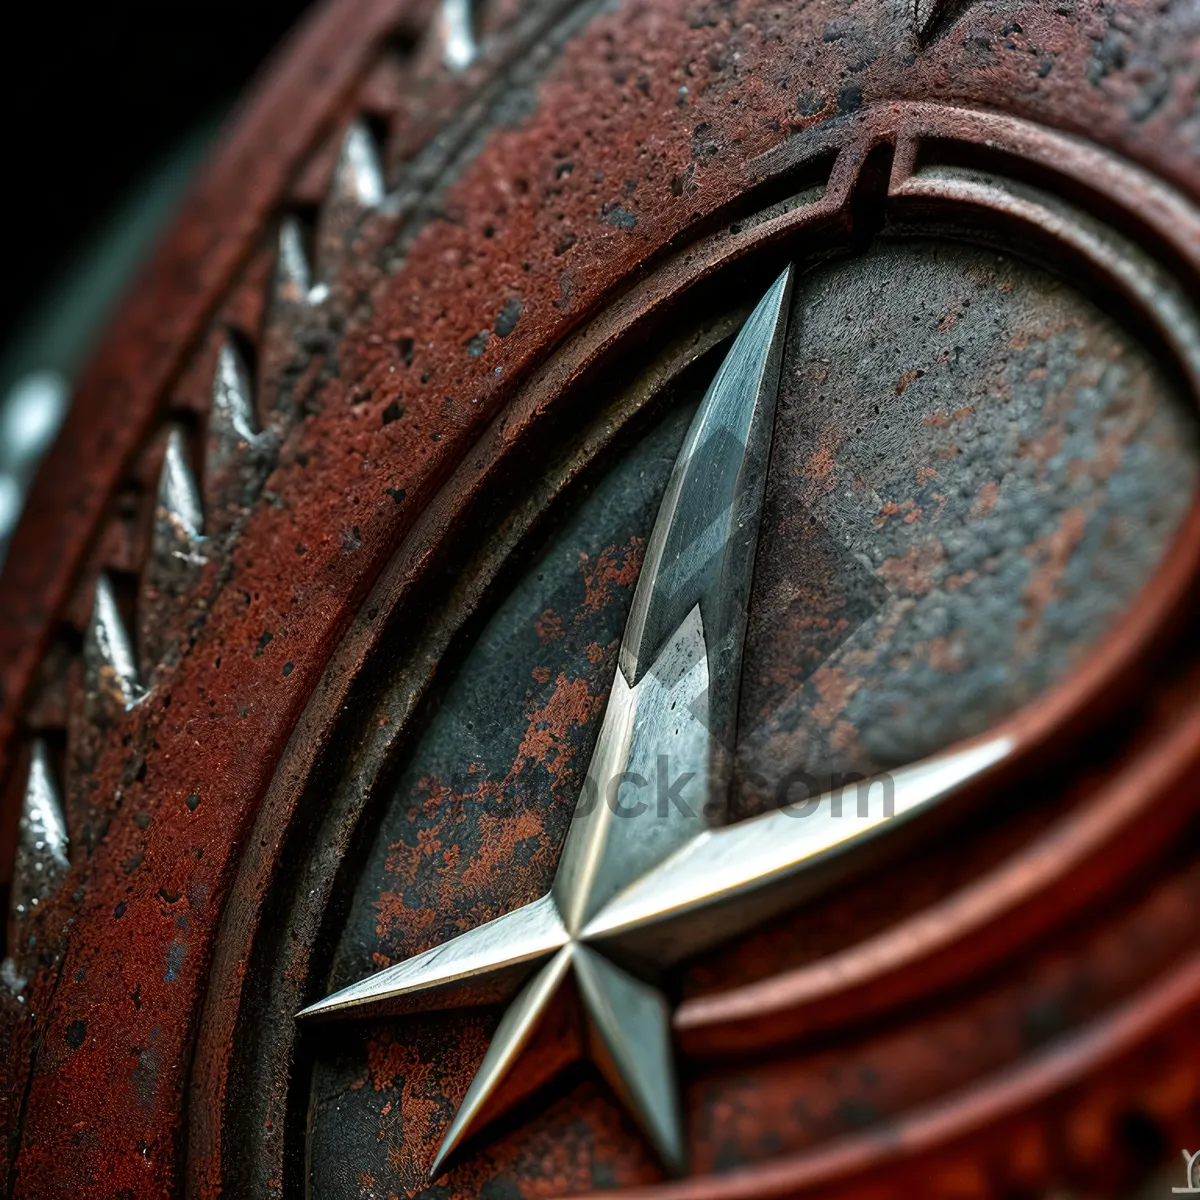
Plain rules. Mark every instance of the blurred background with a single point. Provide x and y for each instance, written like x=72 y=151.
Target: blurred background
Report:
x=108 y=111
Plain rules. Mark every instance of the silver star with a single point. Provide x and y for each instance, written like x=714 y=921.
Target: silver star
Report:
x=644 y=877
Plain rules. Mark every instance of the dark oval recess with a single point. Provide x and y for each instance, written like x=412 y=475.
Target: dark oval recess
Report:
x=974 y=472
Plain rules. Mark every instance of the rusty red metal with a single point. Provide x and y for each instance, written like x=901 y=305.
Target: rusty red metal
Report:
x=649 y=132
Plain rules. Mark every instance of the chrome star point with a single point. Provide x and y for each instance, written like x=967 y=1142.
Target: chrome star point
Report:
x=653 y=882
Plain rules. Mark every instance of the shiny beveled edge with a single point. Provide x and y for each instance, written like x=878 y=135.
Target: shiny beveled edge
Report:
x=523 y=937
x=730 y=865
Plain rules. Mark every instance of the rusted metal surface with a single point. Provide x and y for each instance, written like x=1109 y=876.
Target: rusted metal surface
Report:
x=583 y=194
x=960 y=506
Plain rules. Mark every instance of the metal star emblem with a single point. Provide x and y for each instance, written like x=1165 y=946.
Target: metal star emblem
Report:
x=646 y=877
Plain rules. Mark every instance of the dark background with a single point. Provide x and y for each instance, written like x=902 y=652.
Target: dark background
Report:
x=98 y=98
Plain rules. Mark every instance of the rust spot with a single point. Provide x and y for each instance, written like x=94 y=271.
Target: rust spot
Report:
x=1042 y=449
x=1055 y=552
x=545 y=739
x=835 y=687
x=953 y=582
x=820 y=466
x=944 y=654
x=938 y=420
x=905 y=509
x=548 y=627
x=914 y=574
x=609 y=571
x=985 y=500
